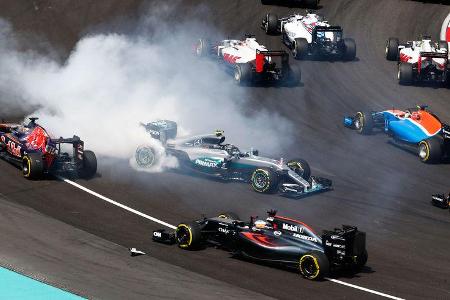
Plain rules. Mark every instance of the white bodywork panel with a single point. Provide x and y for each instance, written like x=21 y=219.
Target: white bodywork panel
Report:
x=411 y=54
x=298 y=26
x=236 y=51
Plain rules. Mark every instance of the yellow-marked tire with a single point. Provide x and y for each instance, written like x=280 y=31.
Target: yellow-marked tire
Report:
x=314 y=265
x=229 y=215
x=430 y=150
x=188 y=235
x=364 y=122
x=264 y=181
x=32 y=166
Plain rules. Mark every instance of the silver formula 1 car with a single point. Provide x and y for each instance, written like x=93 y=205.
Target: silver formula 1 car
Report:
x=207 y=154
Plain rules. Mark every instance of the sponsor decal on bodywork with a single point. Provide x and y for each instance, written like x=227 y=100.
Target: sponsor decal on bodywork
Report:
x=208 y=162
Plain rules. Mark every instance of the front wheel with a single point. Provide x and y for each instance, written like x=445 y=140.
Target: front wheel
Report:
x=271 y=23
x=391 y=50
x=229 y=215
x=145 y=156
x=314 y=265
x=430 y=150
x=33 y=166
x=301 y=167
x=364 y=122
x=264 y=181
x=188 y=235
x=89 y=167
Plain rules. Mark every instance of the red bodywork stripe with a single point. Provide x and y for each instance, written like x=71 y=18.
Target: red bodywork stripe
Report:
x=448 y=34
x=259 y=239
x=259 y=62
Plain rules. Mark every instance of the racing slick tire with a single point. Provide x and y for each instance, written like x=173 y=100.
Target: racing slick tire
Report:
x=392 y=49
x=350 y=49
x=242 y=74
x=271 y=23
x=264 y=181
x=145 y=156
x=89 y=168
x=443 y=45
x=364 y=123
x=405 y=73
x=33 y=166
x=301 y=167
x=202 y=48
x=314 y=265
x=229 y=215
x=188 y=235
x=430 y=150
x=300 y=48
x=361 y=260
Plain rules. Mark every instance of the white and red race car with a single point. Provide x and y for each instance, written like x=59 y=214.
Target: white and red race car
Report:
x=422 y=60
x=310 y=35
x=249 y=61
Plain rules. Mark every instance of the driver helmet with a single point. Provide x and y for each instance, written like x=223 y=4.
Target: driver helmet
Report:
x=407 y=114
x=260 y=224
x=415 y=116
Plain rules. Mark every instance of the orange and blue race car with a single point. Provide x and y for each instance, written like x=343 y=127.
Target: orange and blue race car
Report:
x=32 y=149
x=416 y=128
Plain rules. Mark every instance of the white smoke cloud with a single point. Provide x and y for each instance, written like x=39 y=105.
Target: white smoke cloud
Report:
x=111 y=82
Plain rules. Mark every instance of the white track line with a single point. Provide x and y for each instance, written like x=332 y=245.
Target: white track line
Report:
x=173 y=227
x=117 y=203
x=364 y=289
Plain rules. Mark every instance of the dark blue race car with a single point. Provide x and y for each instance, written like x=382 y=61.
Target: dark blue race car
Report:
x=31 y=148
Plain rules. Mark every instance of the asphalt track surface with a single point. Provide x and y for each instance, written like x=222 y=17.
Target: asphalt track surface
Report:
x=382 y=189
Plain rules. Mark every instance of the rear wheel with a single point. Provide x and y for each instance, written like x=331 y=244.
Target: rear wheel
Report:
x=430 y=150
x=188 y=235
x=271 y=24
x=202 y=48
x=300 y=48
x=301 y=167
x=264 y=181
x=350 y=49
x=89 y=164
x=405 y=73
x=392 y=49
x=33 y=166
x=364 y=122
x=145 y=156
x=242 y=74
x=314 y=265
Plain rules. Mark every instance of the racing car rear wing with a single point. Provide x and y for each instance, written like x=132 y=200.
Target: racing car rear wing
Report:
x=260 y=55
x=327 y=28
x=343 y=244
x=434 y=55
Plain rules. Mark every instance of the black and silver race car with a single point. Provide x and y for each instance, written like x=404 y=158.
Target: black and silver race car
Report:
x=208 y=155
x=277 y=240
